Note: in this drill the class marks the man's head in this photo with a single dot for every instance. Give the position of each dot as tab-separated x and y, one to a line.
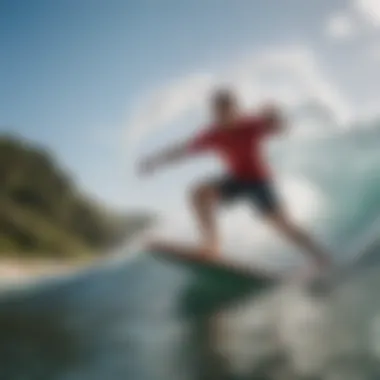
224	105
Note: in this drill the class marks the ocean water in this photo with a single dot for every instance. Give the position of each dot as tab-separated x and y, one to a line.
289	334
124	318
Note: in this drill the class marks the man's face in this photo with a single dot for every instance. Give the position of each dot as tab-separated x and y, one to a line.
224	107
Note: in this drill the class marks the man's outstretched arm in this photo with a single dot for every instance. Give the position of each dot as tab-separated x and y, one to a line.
163	158
176	153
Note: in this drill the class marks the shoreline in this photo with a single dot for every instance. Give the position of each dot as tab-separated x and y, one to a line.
18	270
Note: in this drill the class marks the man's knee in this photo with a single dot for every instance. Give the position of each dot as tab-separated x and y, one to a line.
203	194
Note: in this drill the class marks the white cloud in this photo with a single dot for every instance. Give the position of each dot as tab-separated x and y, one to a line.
166	104
290	75
341	26
370	10
358	17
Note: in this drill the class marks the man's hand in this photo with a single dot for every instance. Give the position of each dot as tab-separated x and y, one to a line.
275	120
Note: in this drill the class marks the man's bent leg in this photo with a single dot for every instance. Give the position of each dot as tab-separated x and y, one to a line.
204	199
298	236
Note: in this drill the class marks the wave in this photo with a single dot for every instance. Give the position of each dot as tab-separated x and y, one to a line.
130	318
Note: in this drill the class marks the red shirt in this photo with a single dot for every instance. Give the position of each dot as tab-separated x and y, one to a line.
238	146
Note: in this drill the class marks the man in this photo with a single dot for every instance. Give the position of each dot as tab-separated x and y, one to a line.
238	140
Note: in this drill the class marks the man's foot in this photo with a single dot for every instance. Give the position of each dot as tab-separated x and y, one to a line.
321	281
324	263
210	251
306	275
315	275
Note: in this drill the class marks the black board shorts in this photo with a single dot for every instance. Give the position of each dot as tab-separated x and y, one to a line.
260	194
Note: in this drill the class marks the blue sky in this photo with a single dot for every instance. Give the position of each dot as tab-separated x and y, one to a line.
96	80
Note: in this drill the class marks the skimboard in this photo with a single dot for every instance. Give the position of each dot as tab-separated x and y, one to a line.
214	283
196	256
